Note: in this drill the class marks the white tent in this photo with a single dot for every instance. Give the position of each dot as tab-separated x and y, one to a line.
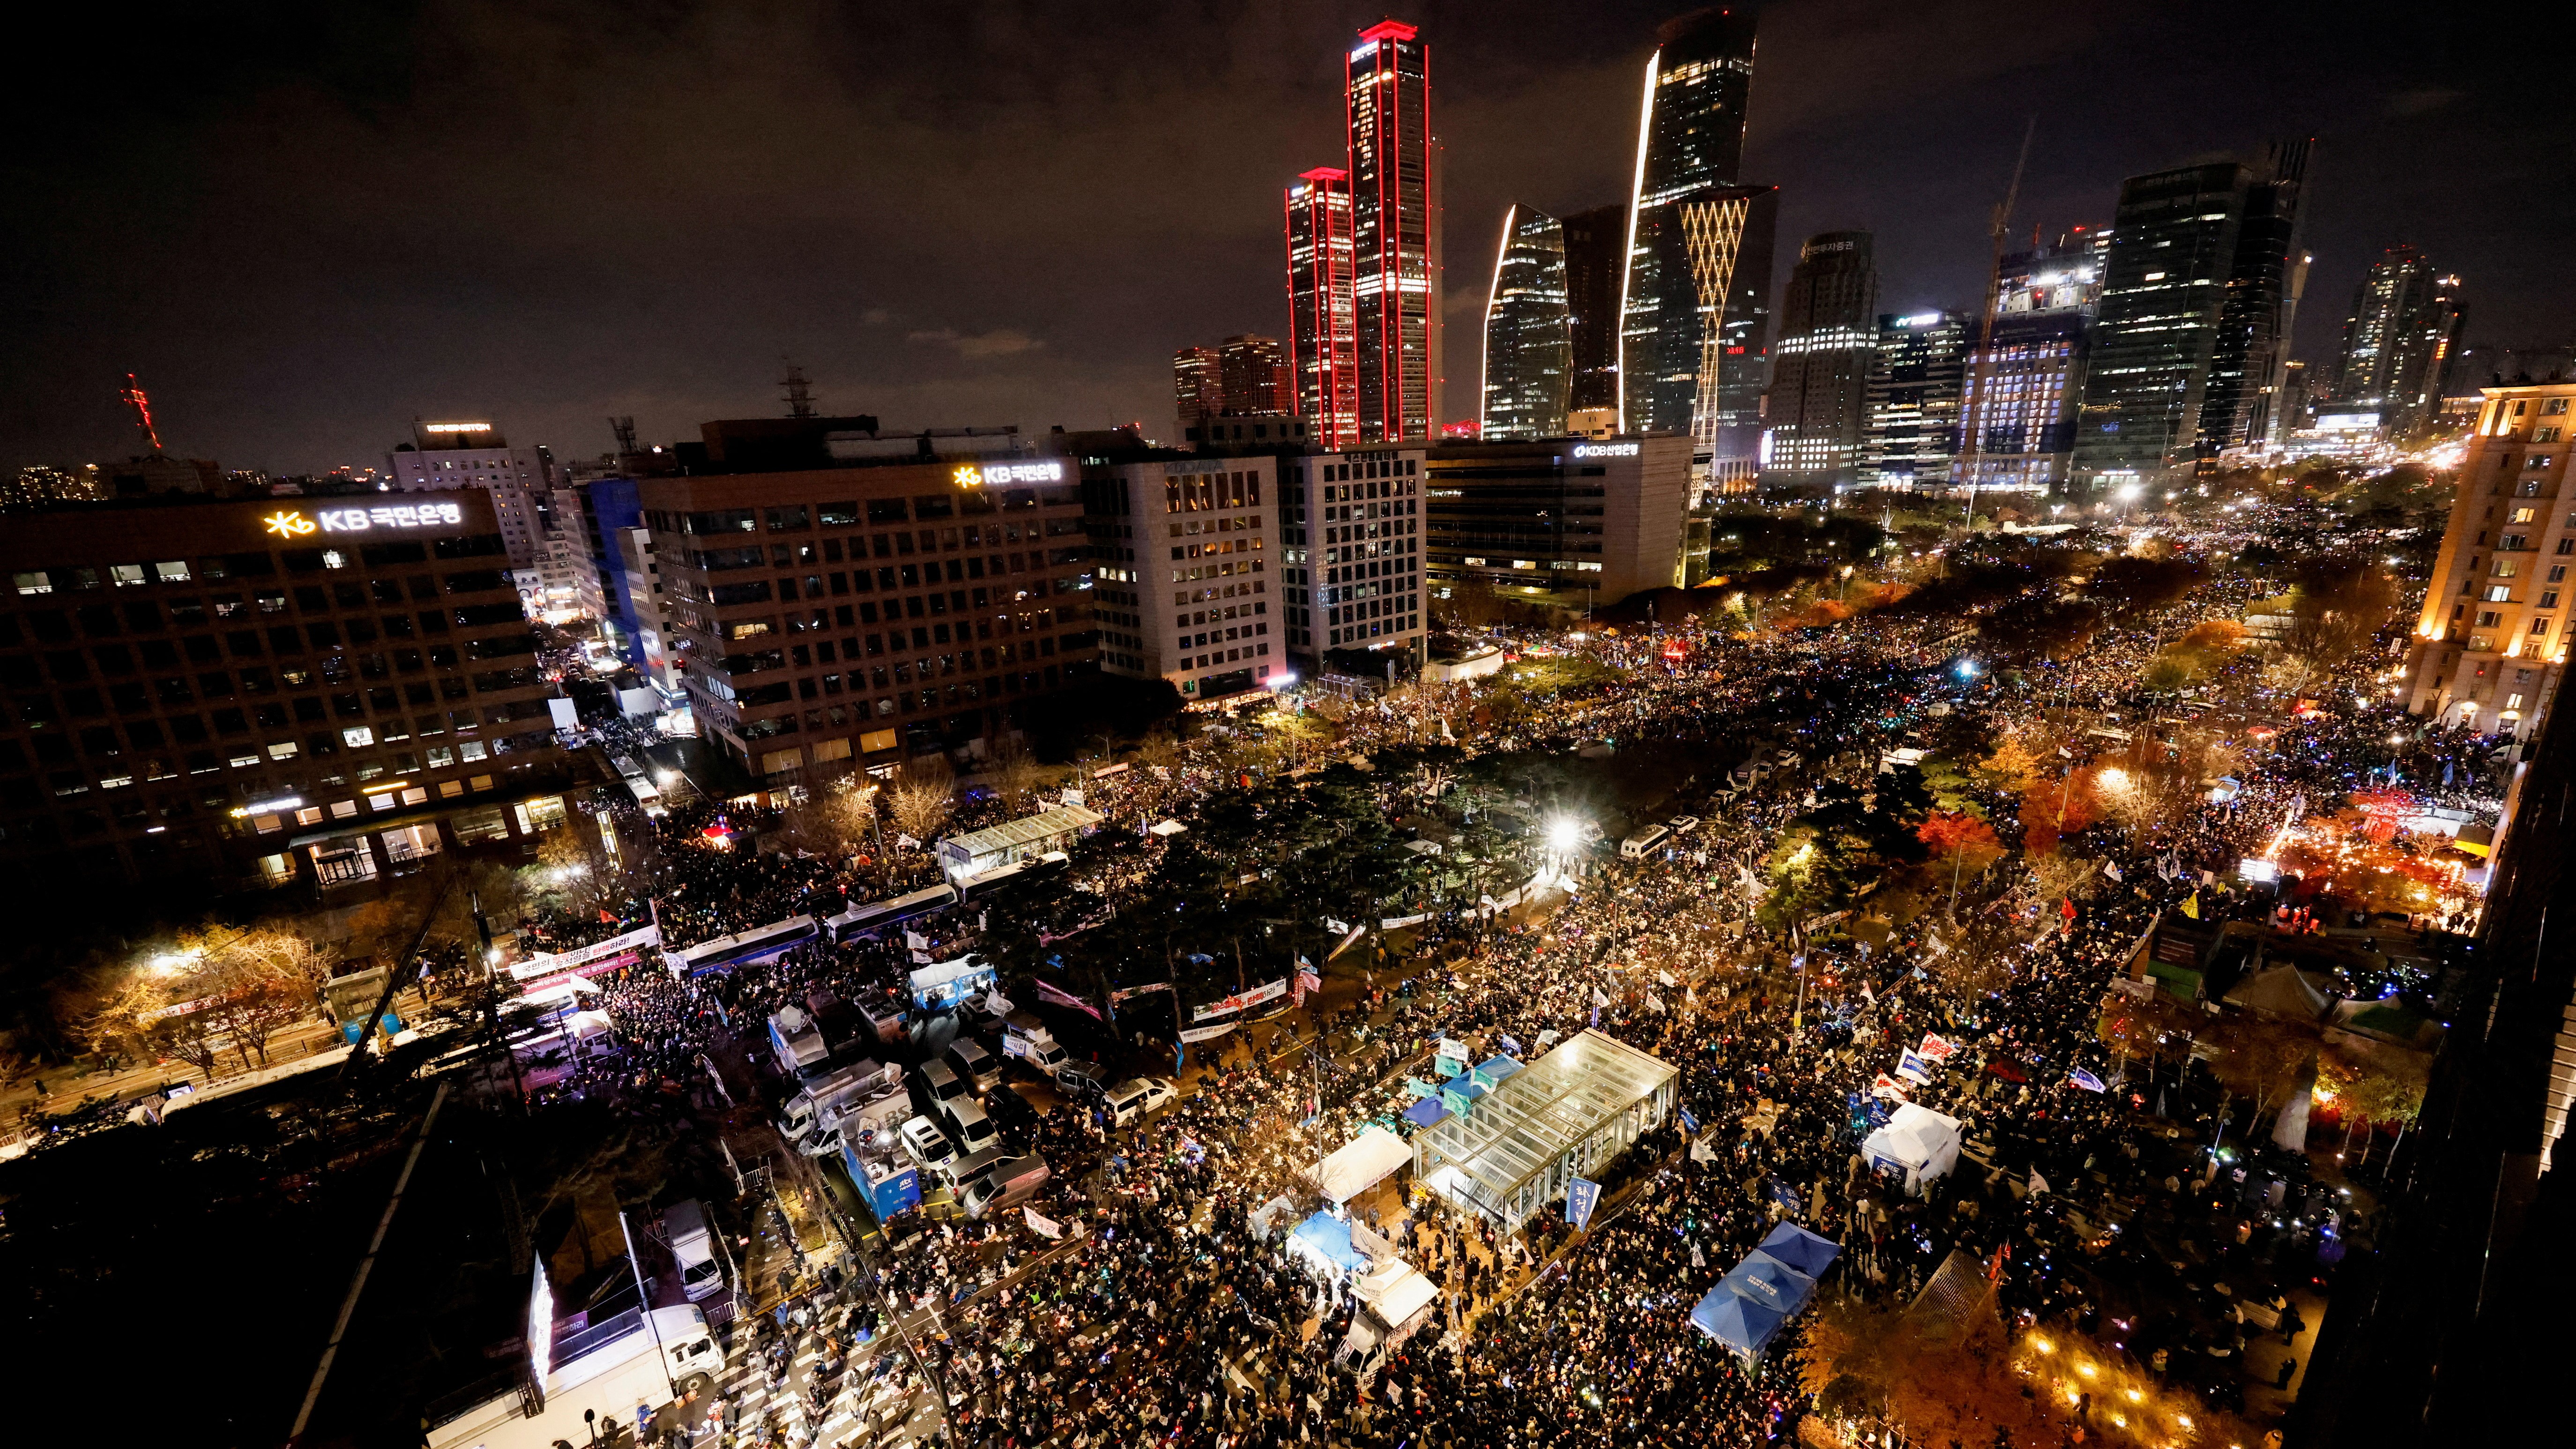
1394	1291
1921	1141
1361	1165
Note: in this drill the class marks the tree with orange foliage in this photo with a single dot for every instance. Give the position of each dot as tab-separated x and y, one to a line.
1959	835
2052	808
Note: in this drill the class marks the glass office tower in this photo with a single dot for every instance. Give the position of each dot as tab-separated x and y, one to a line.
1529	339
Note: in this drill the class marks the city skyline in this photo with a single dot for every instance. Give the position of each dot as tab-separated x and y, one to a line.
334	289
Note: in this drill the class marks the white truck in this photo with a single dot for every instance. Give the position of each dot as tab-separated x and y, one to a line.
797	1042
607	1369
811	1118
1026	1038
693	1249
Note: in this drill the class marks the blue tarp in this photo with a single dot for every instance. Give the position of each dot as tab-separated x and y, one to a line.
1493	1069
1802	1250
1426	1113
1329	1238
1467	1085
1735	1320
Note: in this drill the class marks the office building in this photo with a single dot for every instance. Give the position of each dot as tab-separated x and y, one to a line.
2173	246
266	691
2258	308
1529	337
865	613
1395	232
1256	377
2018	424
1689	223
1323	336
1596	261
1351	572
443	457
1917	384
1566	522
2397	342
1818	400
2492	641
1743	348
1198	386
1187	553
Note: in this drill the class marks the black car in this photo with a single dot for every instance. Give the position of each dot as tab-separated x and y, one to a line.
1012	1115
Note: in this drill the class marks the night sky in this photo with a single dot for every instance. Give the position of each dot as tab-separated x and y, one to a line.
302	225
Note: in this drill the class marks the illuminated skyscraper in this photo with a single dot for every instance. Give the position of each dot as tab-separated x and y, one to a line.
1917	380
2398	341
2261	303
2173	248
1323	349
1596	259
1255	377
2023	389
1820	367
1198	386
2491	642
1699	245
1529	339
1395	232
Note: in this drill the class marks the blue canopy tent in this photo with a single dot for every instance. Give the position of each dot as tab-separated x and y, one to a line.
1494	1068
1327	1239
1802	1250
1736	1321
1426	1113
1768	1281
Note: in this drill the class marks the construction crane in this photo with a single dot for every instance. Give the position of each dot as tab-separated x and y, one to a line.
1982	371
132	396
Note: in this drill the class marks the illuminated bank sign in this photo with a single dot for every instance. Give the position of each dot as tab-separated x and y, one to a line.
976	475
296	523
1608	450
456	427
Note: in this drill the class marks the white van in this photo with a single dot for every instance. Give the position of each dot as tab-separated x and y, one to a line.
693	1248
964	1120
1643	843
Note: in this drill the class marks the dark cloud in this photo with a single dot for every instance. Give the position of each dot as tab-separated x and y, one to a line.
305	223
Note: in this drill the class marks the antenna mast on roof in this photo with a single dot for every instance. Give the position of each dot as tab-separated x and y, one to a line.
800	394
132	395
624	428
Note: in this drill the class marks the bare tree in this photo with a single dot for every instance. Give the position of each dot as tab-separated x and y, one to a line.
1013	772
922	798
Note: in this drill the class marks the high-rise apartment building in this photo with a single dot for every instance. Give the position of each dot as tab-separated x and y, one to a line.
1693	233
1529	334
446	456
1323	322
1395	232
2492	641
1818	399
1917	383
1198	386
2018	423
1351	561
2259	307
1565	522
1596	261
1255	377
896	605
2398	341
2173	247
1188	565
325	690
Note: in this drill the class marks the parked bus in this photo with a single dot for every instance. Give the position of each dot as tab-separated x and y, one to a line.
745	946
877	915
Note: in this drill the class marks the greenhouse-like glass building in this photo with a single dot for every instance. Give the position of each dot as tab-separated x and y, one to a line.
1559	1118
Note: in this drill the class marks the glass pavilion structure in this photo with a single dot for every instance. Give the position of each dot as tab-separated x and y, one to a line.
1561	1117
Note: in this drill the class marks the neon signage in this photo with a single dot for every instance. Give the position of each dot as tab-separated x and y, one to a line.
1608	450
969	475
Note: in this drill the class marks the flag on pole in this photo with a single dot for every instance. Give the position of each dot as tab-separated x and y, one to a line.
1935	1048
2082	1078
2038	1184
1913	1068
1688	1120
1049	991
1866	994
2111	868
2066	908
2191	906
1887	1088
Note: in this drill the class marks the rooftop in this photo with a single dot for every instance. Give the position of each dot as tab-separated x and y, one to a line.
1536	1115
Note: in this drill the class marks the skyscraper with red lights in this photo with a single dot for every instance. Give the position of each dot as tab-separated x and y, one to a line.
1395	232
1323	347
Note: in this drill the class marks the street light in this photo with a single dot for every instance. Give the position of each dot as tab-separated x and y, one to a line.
1564	834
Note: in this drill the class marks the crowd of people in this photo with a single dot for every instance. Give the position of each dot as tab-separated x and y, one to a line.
1166	1308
